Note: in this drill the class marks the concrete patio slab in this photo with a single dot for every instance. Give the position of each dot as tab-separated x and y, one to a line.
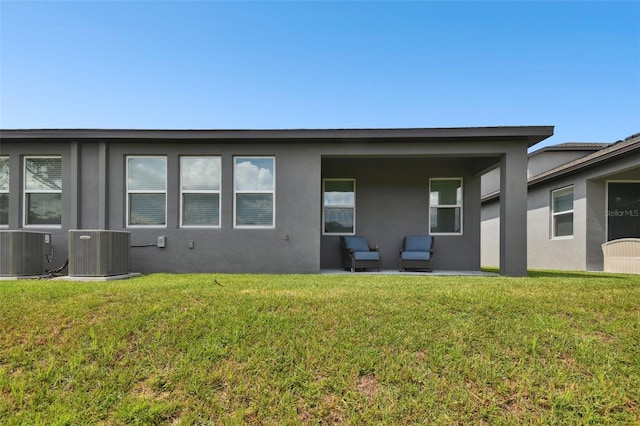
411	273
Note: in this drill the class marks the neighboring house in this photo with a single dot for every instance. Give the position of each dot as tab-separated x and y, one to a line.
272	201
579	197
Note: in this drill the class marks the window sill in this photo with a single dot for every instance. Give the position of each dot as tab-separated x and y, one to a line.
567	237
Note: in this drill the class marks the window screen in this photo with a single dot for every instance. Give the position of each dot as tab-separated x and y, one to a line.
445	206
254	187
43	190
339	206
562	212
147	191
200	184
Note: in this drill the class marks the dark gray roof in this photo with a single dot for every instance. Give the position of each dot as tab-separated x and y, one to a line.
580	145
572	146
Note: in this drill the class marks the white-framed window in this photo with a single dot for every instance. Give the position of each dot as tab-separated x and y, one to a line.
339	206
200	191
43	191
445	206
562	212
254	192
146	191
4	192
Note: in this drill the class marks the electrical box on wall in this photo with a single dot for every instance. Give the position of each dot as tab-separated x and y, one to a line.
99	253
23	253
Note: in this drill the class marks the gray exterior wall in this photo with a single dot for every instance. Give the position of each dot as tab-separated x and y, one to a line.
292	246
490	235
583	250
490	182
545	252
546	160
392	175
392	200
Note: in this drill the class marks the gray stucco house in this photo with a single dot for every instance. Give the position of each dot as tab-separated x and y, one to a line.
273	201
580	195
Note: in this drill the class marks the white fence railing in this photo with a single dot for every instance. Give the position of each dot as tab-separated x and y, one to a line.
622	255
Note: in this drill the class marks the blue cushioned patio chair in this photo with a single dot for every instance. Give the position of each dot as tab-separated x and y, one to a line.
416	252
357	254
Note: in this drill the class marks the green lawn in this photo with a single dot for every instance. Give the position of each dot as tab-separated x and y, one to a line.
554	348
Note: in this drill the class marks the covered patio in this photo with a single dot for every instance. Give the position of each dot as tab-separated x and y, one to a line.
395	189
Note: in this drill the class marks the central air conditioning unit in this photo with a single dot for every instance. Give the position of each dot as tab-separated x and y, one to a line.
23	253
99	253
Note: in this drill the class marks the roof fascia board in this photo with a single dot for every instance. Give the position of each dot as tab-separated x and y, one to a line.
533	134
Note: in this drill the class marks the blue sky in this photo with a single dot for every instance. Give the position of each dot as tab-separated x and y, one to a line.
264	65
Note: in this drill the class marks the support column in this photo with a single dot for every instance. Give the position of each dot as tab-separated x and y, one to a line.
513	212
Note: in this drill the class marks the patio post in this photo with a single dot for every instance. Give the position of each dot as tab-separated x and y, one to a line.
513	211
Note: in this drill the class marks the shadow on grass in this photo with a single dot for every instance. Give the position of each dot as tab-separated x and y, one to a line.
539	273
570	274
